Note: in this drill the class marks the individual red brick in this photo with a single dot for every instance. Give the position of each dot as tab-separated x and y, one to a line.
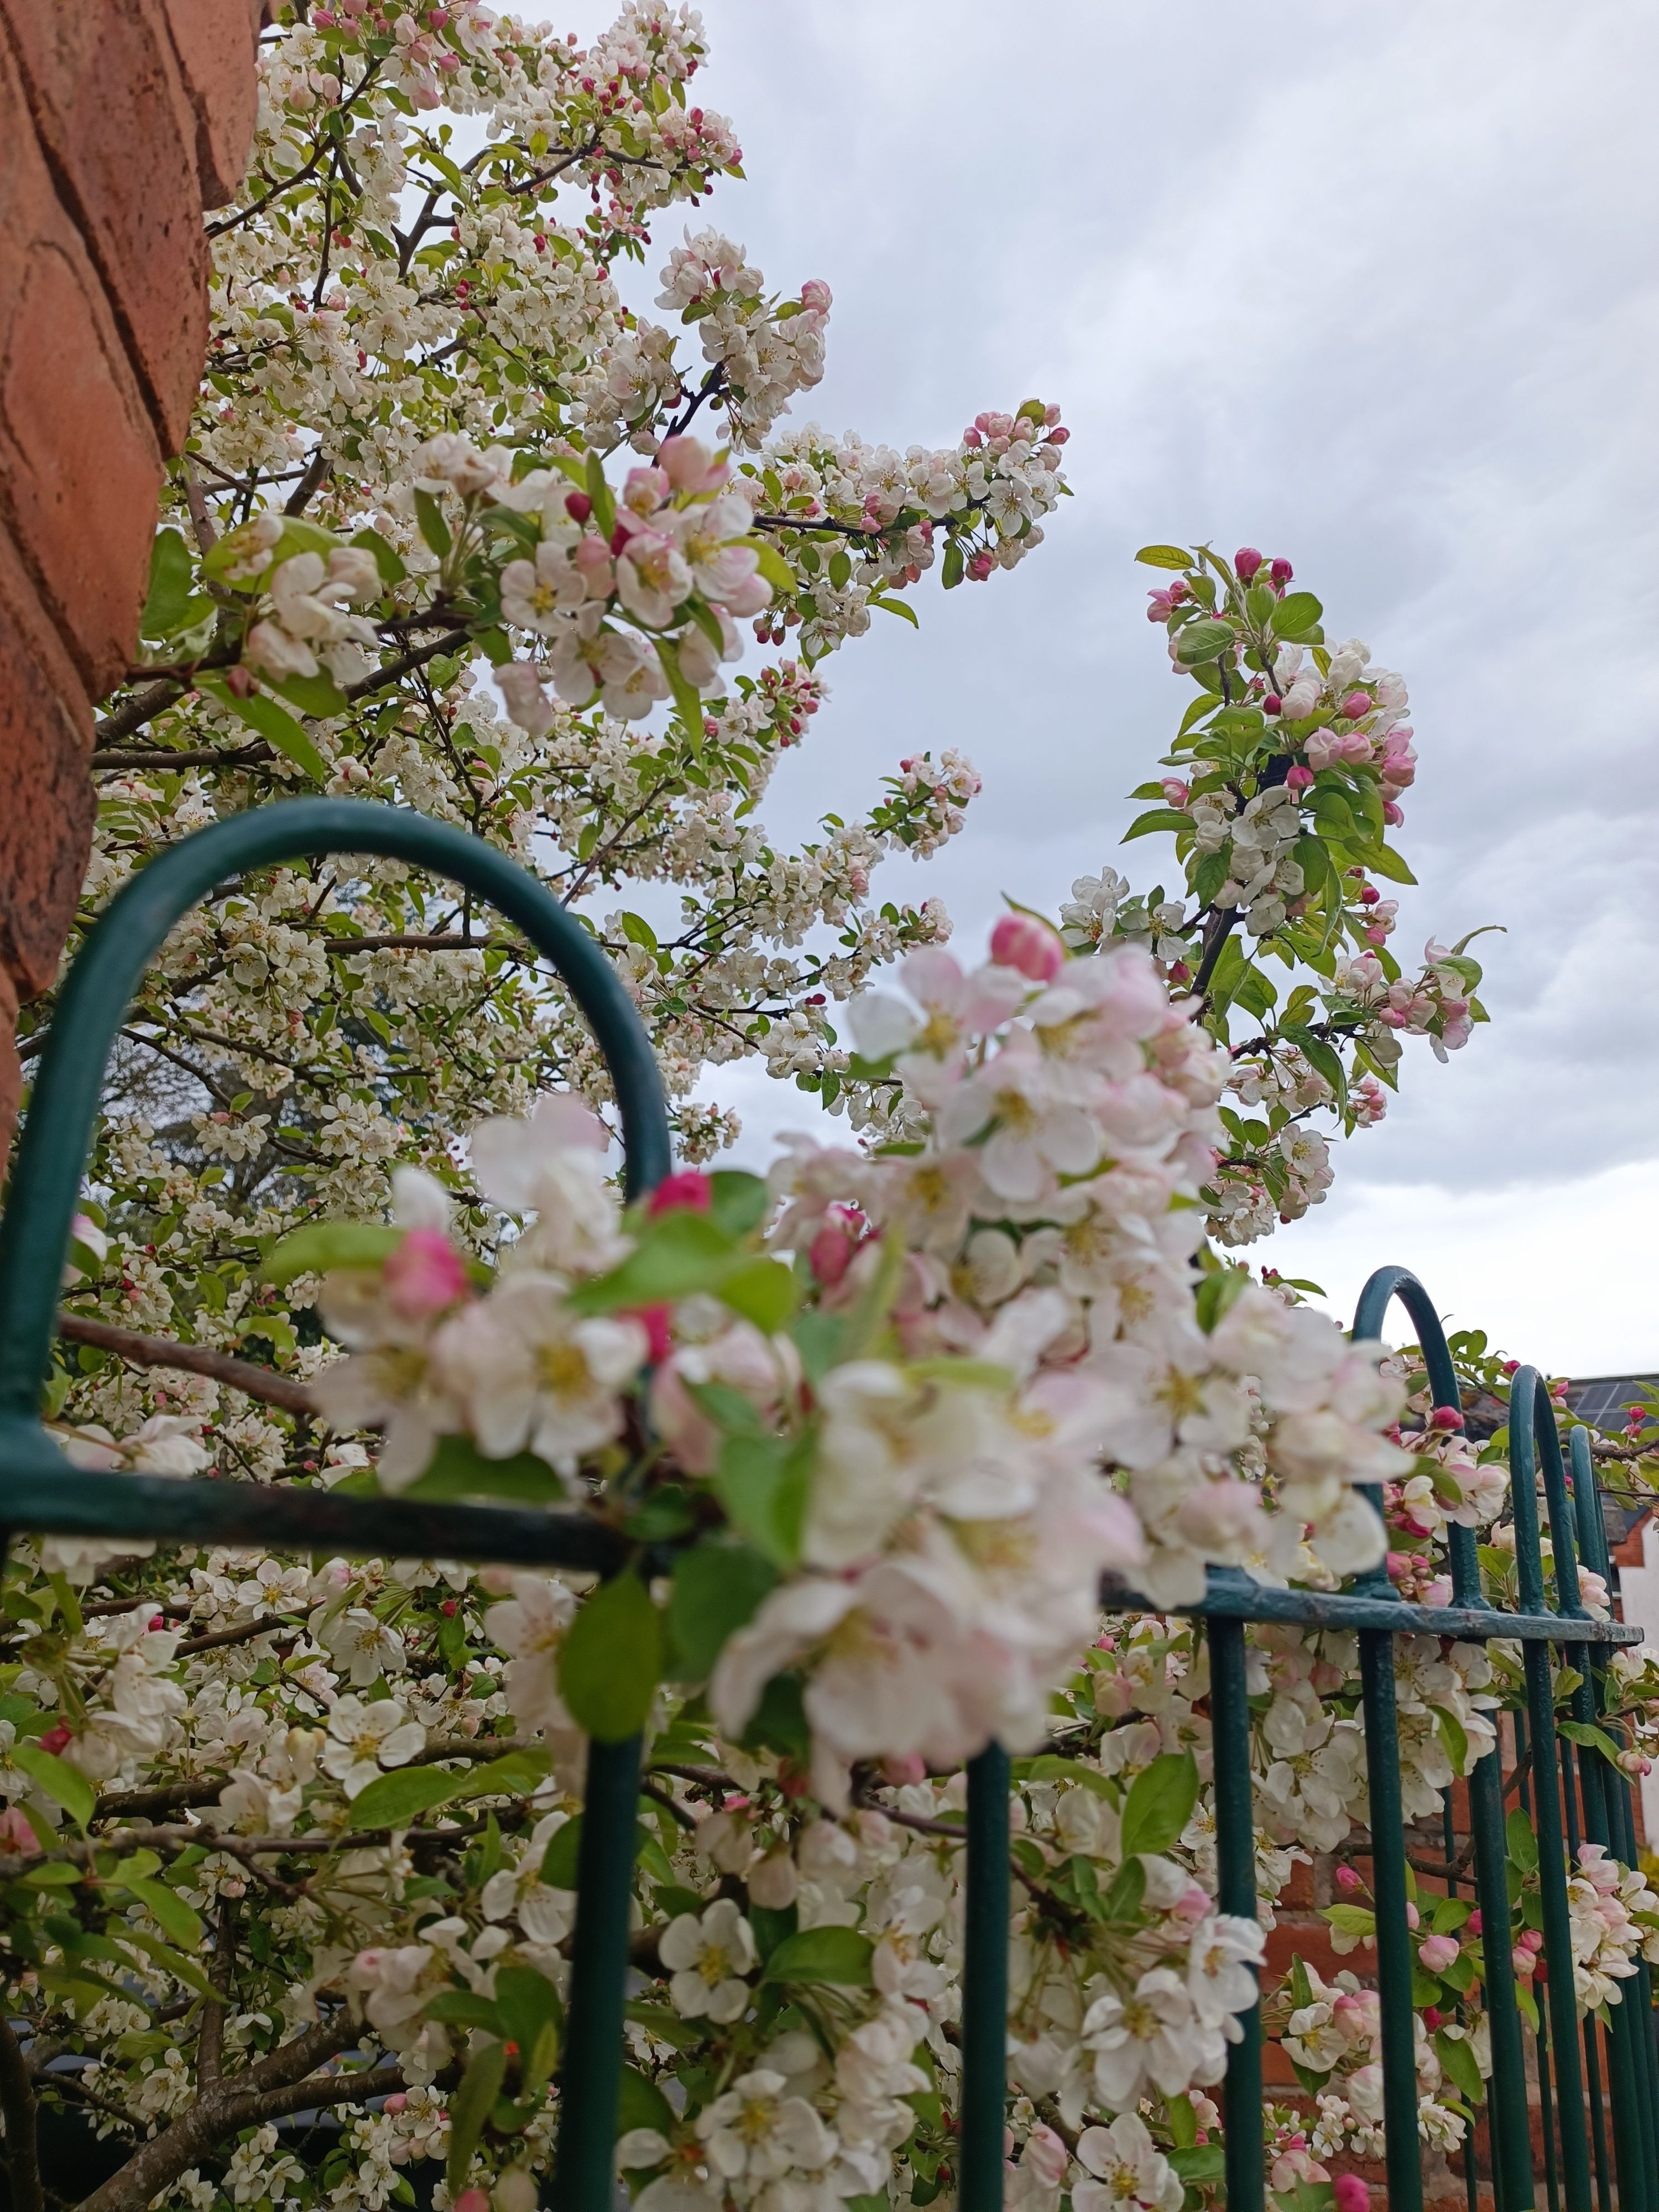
214	43
47	805
80	471
119	134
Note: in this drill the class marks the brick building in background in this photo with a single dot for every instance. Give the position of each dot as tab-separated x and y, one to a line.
121	121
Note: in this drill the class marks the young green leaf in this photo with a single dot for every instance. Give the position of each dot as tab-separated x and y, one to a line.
838	1955
323	1245
470	2107
1160	1803
64	1784
167	1910
393	1801
274	723
718	1588
762	1482
1163	557
170	572
610	1661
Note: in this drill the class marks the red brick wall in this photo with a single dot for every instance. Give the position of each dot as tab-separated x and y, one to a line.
121	120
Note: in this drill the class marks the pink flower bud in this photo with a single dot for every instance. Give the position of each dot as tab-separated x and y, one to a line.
578	506
830	1253
396	2101
16	1831
658	1322
1346	1878
1433	2017
57	1739
1246	561
1445	1416
424	1275
689	1191
1412	1916
1176	792
1272	704
1437	1952
1351	2194
1022	942
1298	778
1355	704
1281	571
1533	1940
908	1768
980	567
1525	1962
815	295
1474	1924
472	2200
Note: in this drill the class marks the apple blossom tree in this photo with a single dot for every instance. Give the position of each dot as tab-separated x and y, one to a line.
463	526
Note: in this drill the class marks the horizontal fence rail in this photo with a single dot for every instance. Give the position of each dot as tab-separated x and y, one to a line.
1597	2084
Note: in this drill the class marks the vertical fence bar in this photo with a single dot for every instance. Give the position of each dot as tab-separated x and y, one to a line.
1532	1426
1393	1945
590	2080
1630	2044
1234	1824
985	1985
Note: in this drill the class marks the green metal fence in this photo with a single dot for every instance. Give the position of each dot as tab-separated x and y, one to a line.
1596	2085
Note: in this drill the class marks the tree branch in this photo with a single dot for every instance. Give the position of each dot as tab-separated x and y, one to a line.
19	2107
244	1375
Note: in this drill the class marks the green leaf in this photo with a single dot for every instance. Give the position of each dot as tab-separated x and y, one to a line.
64	1784
1458	2063
641	2104
1203	641
433	527
167	1910
1052	1766
839	1955
685	697
1382	860
563	1857
604	506
762	1482
1155	818
533	2018
773	566
718	1588
519	1774
841	568
1160	1803
1202	2162
666	2026
953	567
318	695
323	1245
893	606
387	559
611	1660
1351	1919
170	574
1295	614
1217	1293
460	2008
458	1469
173	1962
274	723
738	1202
1517	1834
763	1292
1163	557
769	1928
1595	1738
677	1254
1453	1735
471	2104
393	1801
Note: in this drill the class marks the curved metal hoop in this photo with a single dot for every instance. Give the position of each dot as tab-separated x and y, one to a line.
38	1489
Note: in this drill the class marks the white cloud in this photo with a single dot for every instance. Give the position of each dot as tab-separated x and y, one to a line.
1371	286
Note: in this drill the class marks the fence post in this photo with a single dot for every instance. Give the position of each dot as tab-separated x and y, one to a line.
1235	1826
985	1985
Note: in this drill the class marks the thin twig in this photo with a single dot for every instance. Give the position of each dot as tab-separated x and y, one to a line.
244	1375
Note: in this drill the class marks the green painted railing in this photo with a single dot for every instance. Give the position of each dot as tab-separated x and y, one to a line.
1585	2073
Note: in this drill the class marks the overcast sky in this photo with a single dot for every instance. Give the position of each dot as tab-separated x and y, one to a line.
1371	283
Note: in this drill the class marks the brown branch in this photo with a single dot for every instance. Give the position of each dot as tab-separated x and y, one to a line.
266	1625
141	707
244	1375
20	2106
201	757
177	1797
343	947
317	468
265	2091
